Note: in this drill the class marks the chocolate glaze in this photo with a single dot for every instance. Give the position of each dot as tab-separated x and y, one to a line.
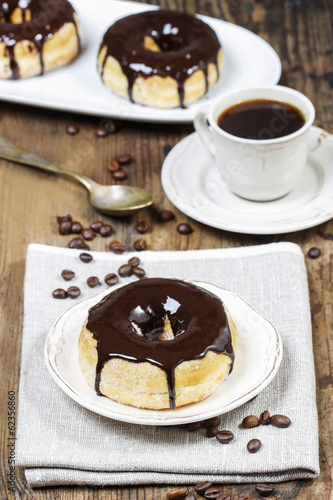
47	17
197	317
187	44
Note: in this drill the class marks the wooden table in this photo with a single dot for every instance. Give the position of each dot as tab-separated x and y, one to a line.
301	31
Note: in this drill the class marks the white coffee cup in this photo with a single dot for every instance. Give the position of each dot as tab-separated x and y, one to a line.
259	170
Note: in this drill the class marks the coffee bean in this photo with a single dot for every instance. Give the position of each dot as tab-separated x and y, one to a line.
113	166
138	272
64	218
134	261
250	421
111	279
76	243
96	225
212	422
76	227
59	293
119	175
124	159
223	497
140	245
112	126
177	494
165	216
73	292
264	490
84	247
86	257
202	487
184	228
142	227
224	437
88	234
125	270
212	431
190	496
280	421
194	426
67	274
212	493
65	227
166	149
72	129
93	281
264	417
105	230
314	253
117	247
254	445
101	132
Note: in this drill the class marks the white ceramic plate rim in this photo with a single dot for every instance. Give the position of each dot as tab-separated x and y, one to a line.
322	213
54	89
165	417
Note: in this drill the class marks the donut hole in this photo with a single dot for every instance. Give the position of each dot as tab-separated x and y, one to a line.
168	41
162	330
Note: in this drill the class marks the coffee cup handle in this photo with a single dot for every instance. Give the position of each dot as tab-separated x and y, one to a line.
204	131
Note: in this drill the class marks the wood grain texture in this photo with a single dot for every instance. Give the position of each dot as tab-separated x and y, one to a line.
301	32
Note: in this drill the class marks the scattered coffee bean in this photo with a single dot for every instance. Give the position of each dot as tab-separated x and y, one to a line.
112	126
76	227
59	293
84	247
134	261
202	487
280	421
314	253
138	272
65	227
93	281
67	275
194	426
125	270
264	490
64	218
190	496
72	129
119	175
212	493
101	132
166	149
264	417
184	228
140	245
224	437
76	243
88	234
86	257
73	292
124	159
165	216
117	247
254	445
113	166
250	421
212	422
96	225
212	431
223	497
105	230
142	227
177	494
111	279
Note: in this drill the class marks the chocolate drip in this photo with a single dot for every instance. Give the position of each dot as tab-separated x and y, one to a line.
57	12
197	318
187	44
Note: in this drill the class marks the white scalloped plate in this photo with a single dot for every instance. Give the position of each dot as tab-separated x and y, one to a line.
77	88
258	357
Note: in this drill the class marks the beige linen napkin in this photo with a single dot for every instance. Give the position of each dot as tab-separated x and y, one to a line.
59	442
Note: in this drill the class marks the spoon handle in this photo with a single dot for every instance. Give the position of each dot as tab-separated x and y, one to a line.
11	152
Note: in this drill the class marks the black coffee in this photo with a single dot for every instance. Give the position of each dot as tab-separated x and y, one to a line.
261	119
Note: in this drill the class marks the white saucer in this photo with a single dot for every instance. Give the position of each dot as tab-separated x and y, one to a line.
192	183
258	357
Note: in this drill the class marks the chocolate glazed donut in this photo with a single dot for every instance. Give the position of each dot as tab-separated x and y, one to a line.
163	44
197	317
26	27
